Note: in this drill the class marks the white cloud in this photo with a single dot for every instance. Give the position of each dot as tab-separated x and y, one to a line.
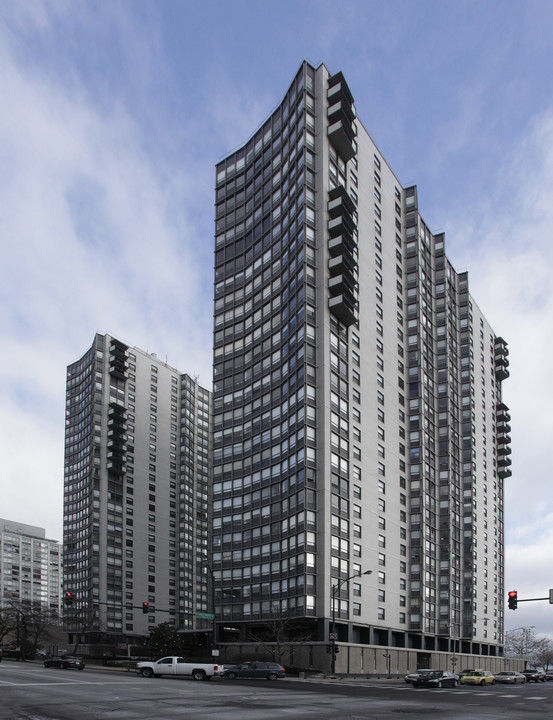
92	242
529	560
506	245
32	440
97	238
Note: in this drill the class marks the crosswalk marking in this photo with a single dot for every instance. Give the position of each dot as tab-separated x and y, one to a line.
474	692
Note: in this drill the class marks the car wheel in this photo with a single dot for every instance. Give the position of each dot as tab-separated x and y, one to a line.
455	683
147	672
272	676
440	684
231	675
81	668
493	682
482	682
199	675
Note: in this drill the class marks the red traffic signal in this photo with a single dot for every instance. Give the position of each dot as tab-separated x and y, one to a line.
69	598
513	599
145	608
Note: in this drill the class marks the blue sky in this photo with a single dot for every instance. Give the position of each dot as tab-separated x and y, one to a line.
113	117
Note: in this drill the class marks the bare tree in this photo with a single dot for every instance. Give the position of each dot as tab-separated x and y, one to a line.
6	624
25	625
40	622
78	620
520	643
277	632
524	643
543	654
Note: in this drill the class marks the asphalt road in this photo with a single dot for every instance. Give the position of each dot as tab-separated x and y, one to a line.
32	692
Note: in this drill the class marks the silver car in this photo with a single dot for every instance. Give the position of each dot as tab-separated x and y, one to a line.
510	676
412	676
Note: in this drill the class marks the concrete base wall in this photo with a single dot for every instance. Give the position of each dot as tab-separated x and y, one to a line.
362	659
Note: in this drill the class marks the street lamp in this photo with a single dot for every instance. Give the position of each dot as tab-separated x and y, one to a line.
453	638
206	564
333	635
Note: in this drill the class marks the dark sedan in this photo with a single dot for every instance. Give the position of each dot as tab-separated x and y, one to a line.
436	678
257	669
65	662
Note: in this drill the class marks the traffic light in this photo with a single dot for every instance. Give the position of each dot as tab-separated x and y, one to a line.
513	599
69	598
329	648
336	649
145	608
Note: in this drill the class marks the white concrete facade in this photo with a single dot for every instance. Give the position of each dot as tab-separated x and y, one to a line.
31	566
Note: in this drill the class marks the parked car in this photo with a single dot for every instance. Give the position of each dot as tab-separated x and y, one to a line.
65	662
413	675
549	675
256	669
509	676
436	678
478	677
534	675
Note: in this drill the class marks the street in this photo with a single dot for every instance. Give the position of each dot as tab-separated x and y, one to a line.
29	691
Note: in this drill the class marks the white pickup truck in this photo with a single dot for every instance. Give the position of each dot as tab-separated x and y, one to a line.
173	665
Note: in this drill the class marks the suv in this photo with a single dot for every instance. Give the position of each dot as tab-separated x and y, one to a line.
257	669
534	675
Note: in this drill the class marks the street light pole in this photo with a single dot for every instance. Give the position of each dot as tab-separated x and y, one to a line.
453	633
333	635
214	620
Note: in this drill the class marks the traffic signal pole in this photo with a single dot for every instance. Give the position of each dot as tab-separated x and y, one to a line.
514	600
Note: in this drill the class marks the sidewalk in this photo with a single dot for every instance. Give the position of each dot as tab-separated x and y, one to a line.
130	667
341	677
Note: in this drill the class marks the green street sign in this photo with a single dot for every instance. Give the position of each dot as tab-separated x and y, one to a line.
206	616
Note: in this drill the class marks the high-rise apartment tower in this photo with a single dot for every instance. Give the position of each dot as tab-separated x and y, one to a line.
358	415
31	567
136	495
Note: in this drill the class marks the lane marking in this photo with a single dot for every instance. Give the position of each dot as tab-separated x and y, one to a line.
75	682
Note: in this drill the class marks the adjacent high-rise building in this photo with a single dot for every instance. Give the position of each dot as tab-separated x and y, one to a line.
137	466
360	438
31	567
